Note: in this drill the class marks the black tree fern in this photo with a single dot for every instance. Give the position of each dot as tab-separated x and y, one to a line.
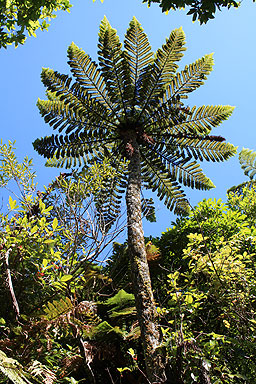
131	111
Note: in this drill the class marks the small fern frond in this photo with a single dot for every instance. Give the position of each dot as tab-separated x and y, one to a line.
57	308
247	159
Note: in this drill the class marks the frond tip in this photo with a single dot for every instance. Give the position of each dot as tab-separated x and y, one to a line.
247	160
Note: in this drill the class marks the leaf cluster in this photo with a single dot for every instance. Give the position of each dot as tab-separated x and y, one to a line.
19	18
201	10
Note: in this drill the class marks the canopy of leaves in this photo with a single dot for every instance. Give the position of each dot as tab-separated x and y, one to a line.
19	18
133	94
202	10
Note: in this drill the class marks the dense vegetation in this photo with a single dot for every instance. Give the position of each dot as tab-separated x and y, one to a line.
66	318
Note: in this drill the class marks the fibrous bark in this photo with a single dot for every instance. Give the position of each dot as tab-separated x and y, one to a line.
146	309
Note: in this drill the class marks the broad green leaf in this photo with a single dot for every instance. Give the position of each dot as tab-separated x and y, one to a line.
65	278
55	223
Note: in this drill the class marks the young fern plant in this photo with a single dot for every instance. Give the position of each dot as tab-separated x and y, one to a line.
130	110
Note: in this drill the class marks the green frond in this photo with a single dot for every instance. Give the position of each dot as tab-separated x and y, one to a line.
148	209
114	67
179	168
57	308
205	149
191	175
108	201
88	75
94	118
157	76
78	100
191	78
137	52
69	151
247	159
239	189
156	179
201	120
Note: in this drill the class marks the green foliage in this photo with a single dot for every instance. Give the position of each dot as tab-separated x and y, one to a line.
133	92
209	315
248	163
18	17
203	10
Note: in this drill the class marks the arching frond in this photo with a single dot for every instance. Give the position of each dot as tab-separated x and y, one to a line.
191	78
157	76
180	169
88	75
137	52
205	148
198	121
69	151
158	179
114	67
109	200
76	97
247	159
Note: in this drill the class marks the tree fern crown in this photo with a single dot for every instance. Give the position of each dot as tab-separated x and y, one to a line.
132	94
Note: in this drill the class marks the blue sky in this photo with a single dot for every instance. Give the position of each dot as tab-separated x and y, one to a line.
231	36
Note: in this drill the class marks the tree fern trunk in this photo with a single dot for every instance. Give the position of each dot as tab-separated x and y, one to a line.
146	310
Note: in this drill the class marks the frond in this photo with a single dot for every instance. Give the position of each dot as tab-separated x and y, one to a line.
69	151
247	159
61	116
191	78
88	75
157	76
239	189
57	308
157	178
180	169
108	201
203	119
204	148
137	52
42	372
78	100
148	209
114	67
199	121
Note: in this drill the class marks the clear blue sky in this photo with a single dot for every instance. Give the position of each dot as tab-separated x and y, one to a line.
231	36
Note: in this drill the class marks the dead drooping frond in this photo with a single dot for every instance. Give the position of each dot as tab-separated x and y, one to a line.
133	93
